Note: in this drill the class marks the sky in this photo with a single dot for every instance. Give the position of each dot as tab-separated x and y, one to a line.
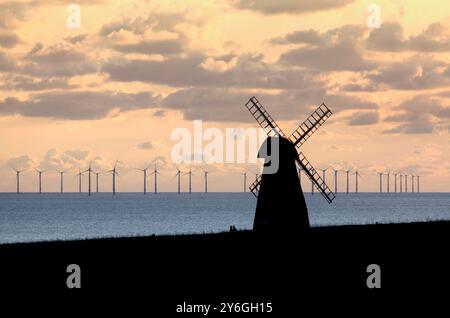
115	87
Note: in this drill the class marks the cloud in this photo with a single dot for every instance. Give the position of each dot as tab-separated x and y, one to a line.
390	37
363	119
20	163
76	38
227	105
163	47
7	63
310	36
412	74
249	71
269	7
8	40
57	61
26	83
77	105
147	145
159	113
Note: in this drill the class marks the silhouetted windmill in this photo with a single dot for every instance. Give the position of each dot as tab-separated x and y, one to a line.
145	177
297	138
348	178
79	175
381	181
89	171
40	172
155	178
178	174
18	179
114	173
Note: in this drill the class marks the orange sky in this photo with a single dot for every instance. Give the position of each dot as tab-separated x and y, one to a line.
117	87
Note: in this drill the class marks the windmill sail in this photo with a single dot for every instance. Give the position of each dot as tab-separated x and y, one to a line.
310	125
263	118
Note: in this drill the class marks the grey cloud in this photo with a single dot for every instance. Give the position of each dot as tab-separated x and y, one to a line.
21	162
7	63
224	104
289	6
159	113
162	47
250	71
423	127
301	37
76	154
363	119
8	40
76	38
390	37
26	83
147	145
77	105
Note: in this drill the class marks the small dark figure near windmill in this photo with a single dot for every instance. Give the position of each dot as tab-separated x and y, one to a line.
281	206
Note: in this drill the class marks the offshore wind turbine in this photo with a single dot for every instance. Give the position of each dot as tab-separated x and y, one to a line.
388	175
61	180
418	184
178	174
412	181
324	173
96	180
206	172
381	181
89	171
114	173
190	179
357	174
395	182
347	172
245	181
406	183
40	172
335	180
79	174
401	183
145	177
18	179
155	174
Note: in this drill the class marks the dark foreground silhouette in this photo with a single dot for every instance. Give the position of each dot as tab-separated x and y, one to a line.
281	206
324	263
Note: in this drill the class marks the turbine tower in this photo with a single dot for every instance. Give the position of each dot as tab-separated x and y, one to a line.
347	172
18	179
356	181
178	174
40	172
61	180
79	174
401	183
395	182
418	184
406	183
190	179
381	181
206	179
388	175
145	178
155	173
114	173
335	180
412	181
89	171
245	181
324	172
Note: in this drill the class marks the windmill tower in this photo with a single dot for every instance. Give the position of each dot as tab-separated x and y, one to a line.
412	182
155	176
96	181
145	178
296	140
357	175
418	184
40	172
178	174
401	183
114	173
18	172
245	181
324	174
388	180
335	181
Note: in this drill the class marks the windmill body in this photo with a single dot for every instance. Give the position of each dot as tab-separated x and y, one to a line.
281	205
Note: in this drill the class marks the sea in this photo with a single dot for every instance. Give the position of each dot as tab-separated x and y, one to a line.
30	217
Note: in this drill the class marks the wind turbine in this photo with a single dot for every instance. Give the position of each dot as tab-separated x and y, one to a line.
335	180
61	179
18	179
381	181
155	173
114	173
418	184
347	172
395	182
206	179
96	180
40	172
190	179
89	171
357	175
388	175
178	174
412	181
79	174
324	172
406	183
245	181
401	183
145	177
